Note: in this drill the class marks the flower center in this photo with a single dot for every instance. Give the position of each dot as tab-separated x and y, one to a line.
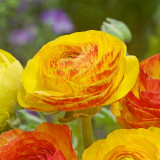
72	55
127	152
38	149
74	62
128	158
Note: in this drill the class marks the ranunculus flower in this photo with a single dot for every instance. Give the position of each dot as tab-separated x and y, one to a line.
141	106
47	142
126	144
10	73
78	71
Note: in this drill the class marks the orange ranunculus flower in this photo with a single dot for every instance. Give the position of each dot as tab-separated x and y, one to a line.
47	142
141	106
78	71
126	144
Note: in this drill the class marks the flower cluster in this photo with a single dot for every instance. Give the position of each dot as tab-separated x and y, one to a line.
76	72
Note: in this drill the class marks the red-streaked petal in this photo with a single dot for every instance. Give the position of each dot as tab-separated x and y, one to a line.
6	137
63	136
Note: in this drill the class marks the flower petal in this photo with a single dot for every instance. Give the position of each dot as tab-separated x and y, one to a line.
130	77
63	135
91	152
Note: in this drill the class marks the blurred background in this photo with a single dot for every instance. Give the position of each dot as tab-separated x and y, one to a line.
26	25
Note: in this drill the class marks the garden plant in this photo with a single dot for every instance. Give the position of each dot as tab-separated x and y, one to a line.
63	102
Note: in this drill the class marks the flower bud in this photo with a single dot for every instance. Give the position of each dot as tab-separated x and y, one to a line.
117	29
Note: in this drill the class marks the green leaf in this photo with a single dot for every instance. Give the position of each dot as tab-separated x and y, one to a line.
29	121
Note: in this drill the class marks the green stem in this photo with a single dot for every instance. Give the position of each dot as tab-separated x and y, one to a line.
86	132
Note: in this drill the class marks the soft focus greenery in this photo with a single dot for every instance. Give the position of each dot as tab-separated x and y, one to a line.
117	29
142	18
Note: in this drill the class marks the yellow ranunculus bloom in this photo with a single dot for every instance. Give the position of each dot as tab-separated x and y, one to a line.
78	71
10	73
126	144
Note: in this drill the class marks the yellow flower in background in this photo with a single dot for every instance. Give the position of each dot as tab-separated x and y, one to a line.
10	73
126	144
78	71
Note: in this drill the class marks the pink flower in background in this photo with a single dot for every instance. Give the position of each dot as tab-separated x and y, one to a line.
22	36
58	20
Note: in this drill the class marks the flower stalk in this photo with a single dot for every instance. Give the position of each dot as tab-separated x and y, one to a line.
86	132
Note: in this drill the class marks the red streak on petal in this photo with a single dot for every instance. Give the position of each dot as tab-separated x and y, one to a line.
115	59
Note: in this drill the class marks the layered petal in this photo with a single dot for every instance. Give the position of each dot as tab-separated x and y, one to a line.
47	142
133	144
141	106
62	134
77	71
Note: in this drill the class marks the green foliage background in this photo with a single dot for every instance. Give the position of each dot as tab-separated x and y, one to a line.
142	17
